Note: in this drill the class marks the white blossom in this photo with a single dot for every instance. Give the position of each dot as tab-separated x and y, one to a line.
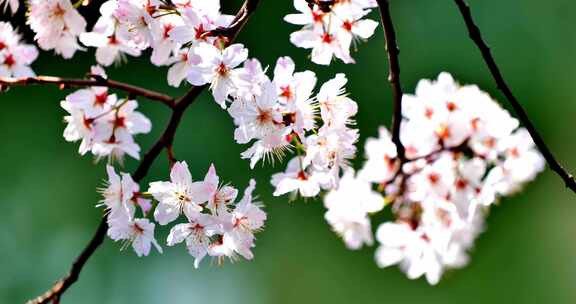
57	25
178	196
331	31
104	124
348	208
15	57
217	68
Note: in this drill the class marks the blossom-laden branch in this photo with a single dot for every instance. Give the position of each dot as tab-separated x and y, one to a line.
476	36
179	107
96	81
394	75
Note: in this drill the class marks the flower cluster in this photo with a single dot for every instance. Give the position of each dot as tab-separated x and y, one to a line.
463	152
122	196
15	57
103	123
281	114
57	25
179	34
331	28
323	151
215	225
110	47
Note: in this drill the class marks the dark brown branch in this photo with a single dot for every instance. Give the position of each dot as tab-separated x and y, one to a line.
476	36
239	21
165	141
66	82
393	75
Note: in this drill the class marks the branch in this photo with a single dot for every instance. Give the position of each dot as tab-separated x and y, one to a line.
394	75
238	22
64	82
165	141
476	36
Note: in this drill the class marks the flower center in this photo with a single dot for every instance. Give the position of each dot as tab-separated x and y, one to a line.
222	70
9	60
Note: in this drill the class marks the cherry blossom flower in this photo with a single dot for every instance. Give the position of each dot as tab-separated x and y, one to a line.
104	124
122	195
199	19
259	118
15	57
162	44
217	68
221	196
110	46
298	178
139	233
250	80
331	32
196	233
239	227
181	62
381	164
348	208
179	195
134	21
57	25
413	249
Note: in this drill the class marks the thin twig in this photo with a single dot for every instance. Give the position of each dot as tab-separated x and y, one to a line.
476	36
238	22
67	82
394	75
165	141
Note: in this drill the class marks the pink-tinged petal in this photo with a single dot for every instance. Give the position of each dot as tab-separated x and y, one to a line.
365	28
211	180
198	76
322	54
22	71
286	185
180	174
139	124
165	213
106	55
234	55
145	205
160	53
305	39
177	73
220	91
298	19
94	39
178	234
200	192
161	190
181	34
210	54
387	256
309	188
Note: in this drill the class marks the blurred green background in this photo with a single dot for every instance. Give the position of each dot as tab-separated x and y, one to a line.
527	254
